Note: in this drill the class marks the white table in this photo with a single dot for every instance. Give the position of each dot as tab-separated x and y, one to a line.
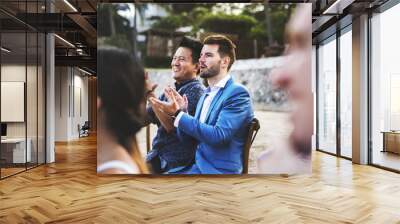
18	150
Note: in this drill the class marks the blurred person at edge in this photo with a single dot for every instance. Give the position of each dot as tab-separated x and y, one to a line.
121	108
294	76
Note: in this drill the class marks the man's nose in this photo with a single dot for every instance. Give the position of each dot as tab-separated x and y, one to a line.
174	63
201	59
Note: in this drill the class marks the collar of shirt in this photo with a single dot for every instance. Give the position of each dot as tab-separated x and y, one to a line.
220	84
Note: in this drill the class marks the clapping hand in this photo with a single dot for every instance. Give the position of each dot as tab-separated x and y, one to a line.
169	107
175	102
172	95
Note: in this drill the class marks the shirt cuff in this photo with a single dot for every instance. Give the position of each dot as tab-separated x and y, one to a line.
176	122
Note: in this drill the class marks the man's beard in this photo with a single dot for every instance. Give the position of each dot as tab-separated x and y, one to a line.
211	72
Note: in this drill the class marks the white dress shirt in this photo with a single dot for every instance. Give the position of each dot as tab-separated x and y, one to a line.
211	92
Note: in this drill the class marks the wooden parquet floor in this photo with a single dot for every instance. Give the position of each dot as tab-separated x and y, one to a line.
69	191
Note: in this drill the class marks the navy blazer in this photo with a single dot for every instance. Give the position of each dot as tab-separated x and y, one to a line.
222	137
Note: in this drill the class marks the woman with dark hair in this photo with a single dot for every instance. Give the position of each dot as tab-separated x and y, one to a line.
121	108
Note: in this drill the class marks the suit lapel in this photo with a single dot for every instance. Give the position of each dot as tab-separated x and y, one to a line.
199	107
218	98
213	103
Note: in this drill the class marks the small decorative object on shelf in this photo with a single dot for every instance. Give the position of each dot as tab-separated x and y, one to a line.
391	141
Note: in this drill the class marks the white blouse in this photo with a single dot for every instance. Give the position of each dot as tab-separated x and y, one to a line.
120	165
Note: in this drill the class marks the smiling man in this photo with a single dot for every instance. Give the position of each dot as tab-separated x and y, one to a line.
223	114
169	153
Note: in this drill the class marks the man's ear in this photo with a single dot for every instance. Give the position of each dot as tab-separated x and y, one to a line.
226	61
196	68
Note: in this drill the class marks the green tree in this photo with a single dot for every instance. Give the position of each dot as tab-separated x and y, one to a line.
110	22
224	23
189	7
277	14
171	22
113	29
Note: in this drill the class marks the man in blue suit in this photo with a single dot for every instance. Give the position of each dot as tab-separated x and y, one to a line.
223	114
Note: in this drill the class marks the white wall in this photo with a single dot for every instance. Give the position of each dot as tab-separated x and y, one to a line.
16	73
61	103
71	102
33	126
80	110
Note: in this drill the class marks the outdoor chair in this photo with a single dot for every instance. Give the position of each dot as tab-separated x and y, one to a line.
253	130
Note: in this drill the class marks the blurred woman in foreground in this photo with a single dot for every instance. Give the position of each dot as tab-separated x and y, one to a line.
121	107
294	76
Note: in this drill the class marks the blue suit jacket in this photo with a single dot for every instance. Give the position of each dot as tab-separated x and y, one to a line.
222	137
